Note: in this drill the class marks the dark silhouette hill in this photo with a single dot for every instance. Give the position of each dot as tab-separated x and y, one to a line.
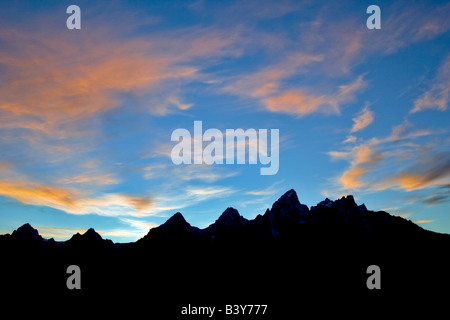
90	239
290	256
26	233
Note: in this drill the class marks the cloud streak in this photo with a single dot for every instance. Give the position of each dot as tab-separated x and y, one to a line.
52	80
57	86
437	97
422	221
432	170
300	101
364	119
74	201
371	162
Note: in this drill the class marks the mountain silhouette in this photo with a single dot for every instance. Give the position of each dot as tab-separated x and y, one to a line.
287	216
90	239
26	233
230	222
290	253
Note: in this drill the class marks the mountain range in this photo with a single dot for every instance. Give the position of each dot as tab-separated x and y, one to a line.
287	218
290	253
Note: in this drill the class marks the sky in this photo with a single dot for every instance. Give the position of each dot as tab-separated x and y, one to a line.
86	116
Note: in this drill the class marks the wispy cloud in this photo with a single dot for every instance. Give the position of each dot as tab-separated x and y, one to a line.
209	192
268	80
430	170
56	86
186	173
75	201
271	190
69	79
352	178
104	179
437	97
413	24
267	85
362	158
364	119
300	102
422	221
345	43
441	194
177	197
79	109
350	139
360	154
371	162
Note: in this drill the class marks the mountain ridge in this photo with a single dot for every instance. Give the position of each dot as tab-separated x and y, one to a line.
288	254
286	213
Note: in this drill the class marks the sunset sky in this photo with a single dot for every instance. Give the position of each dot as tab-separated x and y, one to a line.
86	116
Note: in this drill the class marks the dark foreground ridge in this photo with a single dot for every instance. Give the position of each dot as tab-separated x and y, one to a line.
288	255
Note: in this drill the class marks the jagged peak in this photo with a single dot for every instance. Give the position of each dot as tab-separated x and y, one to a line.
230	217
26	226
290	194
326	203
229	213
174	224
175	221
289	197
350	198
347	201
347	198
91	233
362	207
289	204
27	232
344	204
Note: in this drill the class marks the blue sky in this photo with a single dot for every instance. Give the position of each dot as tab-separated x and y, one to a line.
86	116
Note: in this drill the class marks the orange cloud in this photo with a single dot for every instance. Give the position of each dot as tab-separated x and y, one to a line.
361	154
409	181
364	119
428	170
38	194
351	178
365	154
423	221
53	79
74	201
266	85
266	82
294	102
300	103
417	166
363	159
